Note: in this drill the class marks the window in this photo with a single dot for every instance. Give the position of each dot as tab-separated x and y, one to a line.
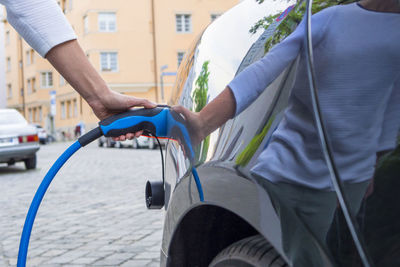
109	61
69	109
40	114
86	24
183	22
29	86
47	79
34	115
180	56
214	16
62	110
28	57
107	22
32	55
8	64
33	85
7	37
75	108
30	115
9	90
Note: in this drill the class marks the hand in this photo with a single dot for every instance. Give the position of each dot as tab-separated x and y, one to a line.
195	124
111	103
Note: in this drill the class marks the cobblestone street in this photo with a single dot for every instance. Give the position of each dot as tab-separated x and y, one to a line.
93	214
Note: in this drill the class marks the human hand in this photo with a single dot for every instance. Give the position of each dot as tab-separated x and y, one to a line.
195	124
112	103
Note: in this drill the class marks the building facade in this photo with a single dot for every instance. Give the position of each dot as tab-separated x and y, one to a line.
132	43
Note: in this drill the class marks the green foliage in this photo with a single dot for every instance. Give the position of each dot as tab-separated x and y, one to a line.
292	20
200	92
245	156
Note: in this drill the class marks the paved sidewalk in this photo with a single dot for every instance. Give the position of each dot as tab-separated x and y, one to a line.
93	214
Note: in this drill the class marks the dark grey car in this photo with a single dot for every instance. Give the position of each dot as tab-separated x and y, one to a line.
237	224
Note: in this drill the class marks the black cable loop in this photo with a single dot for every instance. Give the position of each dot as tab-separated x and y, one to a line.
325	145
162	159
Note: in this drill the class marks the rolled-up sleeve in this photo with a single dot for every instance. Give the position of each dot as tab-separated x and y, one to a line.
40	22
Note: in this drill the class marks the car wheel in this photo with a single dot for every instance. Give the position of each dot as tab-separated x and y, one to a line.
108	143
135	144
152	145
118	145
253	251
30	163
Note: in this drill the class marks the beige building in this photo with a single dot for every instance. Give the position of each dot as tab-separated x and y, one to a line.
130	42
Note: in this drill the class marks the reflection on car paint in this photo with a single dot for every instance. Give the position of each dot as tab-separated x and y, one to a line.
232	153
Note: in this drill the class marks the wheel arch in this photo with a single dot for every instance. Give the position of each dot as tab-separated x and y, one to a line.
197	241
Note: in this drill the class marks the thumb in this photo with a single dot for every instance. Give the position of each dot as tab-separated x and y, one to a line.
184	111
134	102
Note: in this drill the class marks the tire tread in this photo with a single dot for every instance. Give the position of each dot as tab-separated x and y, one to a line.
254	250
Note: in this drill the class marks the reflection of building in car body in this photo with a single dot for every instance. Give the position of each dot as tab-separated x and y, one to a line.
237	212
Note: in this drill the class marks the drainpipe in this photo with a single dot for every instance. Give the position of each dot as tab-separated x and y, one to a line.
154	50
21	67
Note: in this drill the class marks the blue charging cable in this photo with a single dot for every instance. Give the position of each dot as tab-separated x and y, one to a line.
157	120
37	199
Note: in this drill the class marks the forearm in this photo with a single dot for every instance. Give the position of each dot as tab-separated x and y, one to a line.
71	62
218	111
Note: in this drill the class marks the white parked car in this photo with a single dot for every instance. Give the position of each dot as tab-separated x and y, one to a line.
43	137
19	141
140	142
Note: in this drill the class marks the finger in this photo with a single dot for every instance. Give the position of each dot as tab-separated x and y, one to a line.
182	110
148	104
133	102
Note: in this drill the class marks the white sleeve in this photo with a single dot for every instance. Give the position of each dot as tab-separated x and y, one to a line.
253	80
40	22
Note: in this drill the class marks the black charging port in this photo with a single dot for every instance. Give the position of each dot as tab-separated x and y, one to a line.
155	195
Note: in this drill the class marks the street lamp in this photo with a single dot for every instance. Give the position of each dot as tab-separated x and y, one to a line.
162	68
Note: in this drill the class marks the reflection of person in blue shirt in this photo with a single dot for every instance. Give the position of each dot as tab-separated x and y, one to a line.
357	62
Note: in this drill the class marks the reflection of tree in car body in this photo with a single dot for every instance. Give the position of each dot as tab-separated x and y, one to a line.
200	98
292	19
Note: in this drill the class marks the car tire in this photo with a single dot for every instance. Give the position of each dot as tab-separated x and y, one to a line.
152	144
30	163
108	143
253	251
135	144
118	145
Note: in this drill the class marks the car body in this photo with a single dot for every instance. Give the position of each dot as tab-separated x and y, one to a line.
237	212
18	140
42	134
